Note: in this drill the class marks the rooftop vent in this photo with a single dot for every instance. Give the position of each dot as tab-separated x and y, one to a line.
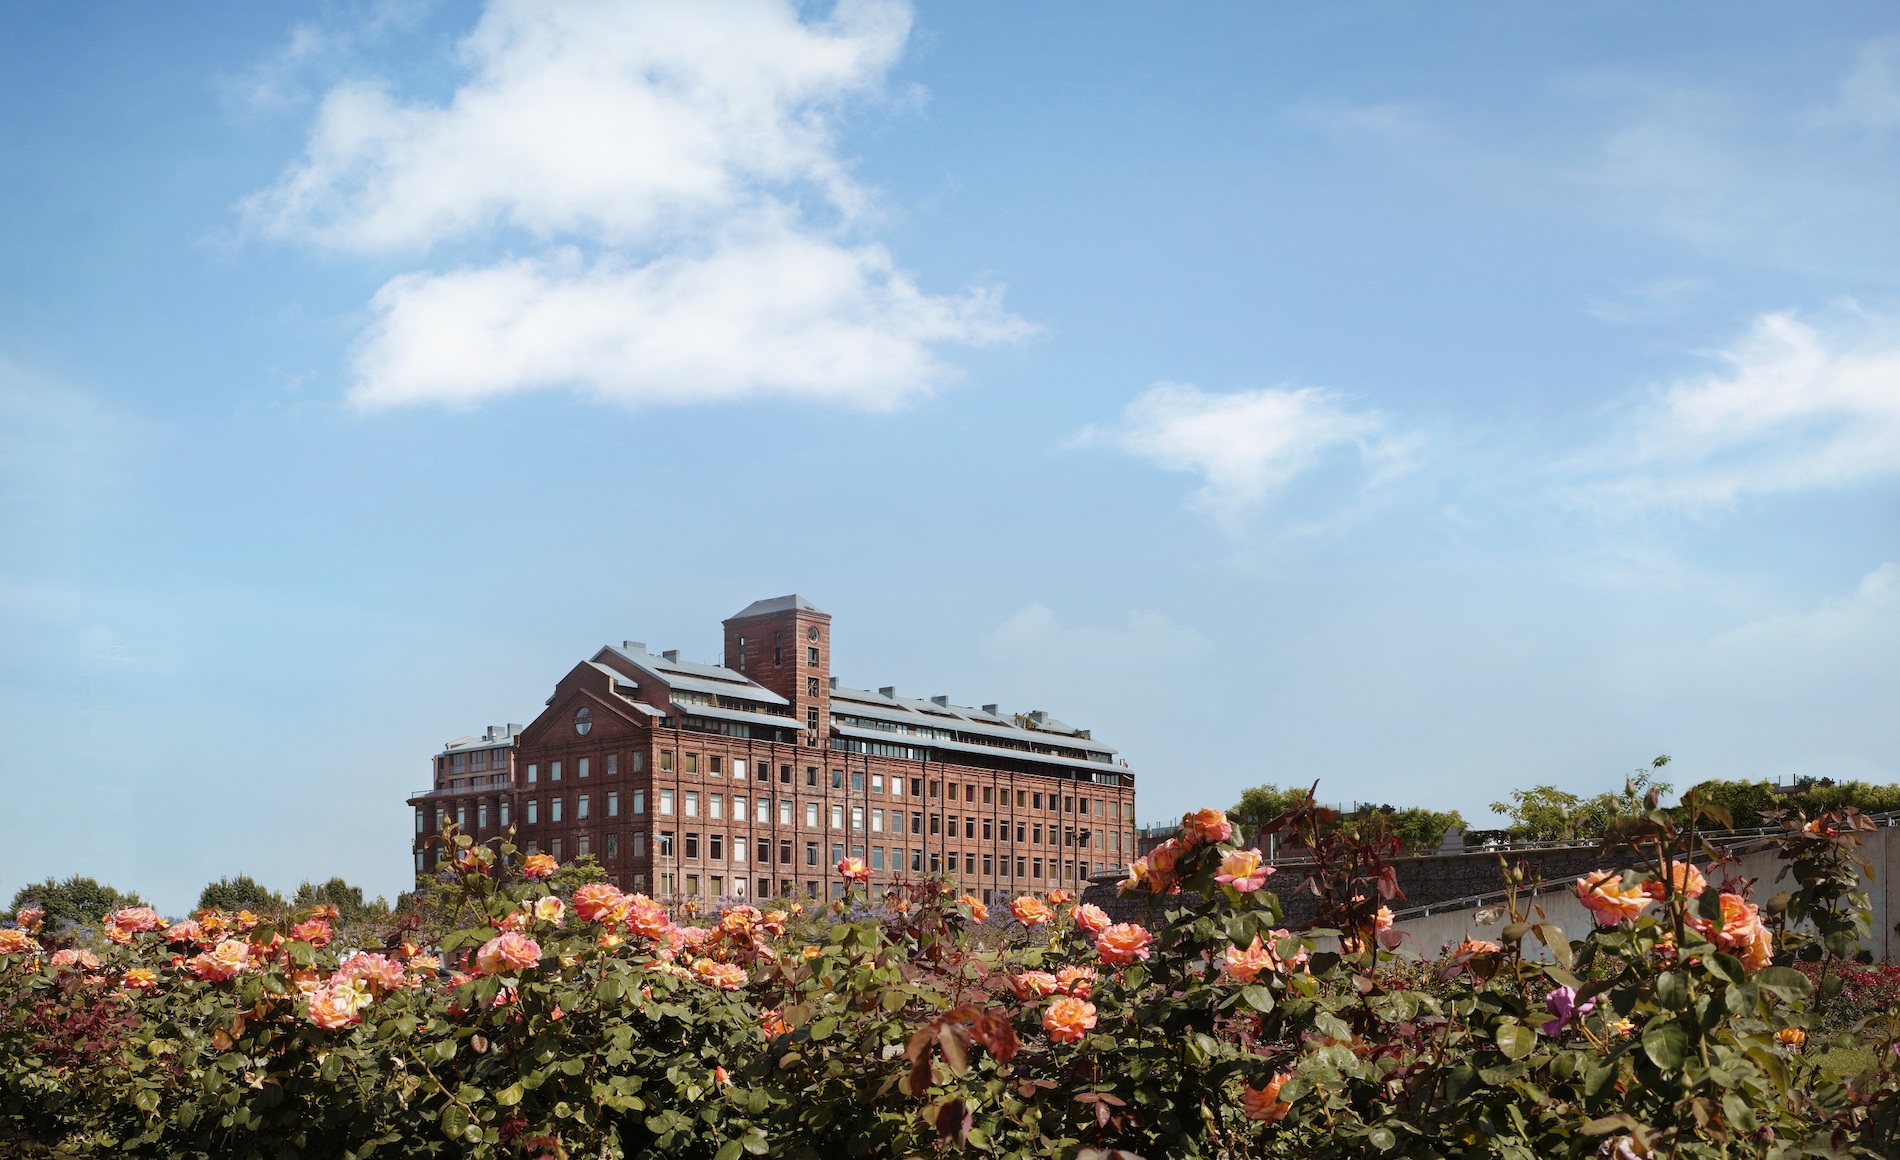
1039	717
834	682
495	732
513	729
672	654
990	709
888	690
634	646
942	699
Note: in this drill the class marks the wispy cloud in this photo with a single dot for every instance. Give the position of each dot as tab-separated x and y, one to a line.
1248	445
1792	408
692	230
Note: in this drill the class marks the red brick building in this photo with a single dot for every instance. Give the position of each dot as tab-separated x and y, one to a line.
753	778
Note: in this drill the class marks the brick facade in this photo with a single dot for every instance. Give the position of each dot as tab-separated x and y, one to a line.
752	778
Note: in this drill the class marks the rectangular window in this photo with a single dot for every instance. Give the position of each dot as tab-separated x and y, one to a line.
917	787
504	813
692	846
988	792
785	775
738	809
613	847
837	853
936	823
554	771
936	862
613	765
811	775
765	888
969	864
1022	870
666	843
1038	801
969	827
666	761
640	766
580	768
716	805
691	763
916	823
877	821
534	773
1036	831
554	810
613	803
461	815
1021	797
481	815
986	829
877	857
811	853
936	789
692	886
811	815
765	849
580	808
738	774
666	885
692	803
877	783
455	764
639	843
715	766
534	812
811	656
639	801
582	847
738	849
785	811
762	813
420	814
857	817
785	852
986	866
837	779
837	817
666	802
1068	805
762	771
1019	833
554	848
1036	865
716	847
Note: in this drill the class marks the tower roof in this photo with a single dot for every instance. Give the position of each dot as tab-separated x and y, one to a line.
792	603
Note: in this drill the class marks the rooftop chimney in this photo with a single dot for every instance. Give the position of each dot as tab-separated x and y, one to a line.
888	690
633	646
990	709
513	729
941	699
1038	716
834	682
672	654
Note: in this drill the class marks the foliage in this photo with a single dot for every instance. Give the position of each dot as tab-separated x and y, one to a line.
347	899
1546	813
1418	830
583	1022
1751	803
76	901
242	893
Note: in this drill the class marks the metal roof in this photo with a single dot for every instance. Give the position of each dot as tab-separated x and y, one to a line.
991	750
792	603
715	679
908	711
768	719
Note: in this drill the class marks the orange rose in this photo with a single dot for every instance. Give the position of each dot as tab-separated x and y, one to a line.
1077	981
1741	931
221	962
598	902
539	866
1030	911
381	973
1603	893
1209	825
30	917
1031	985
84	960
1241	869
314	931
186	931
978	912
507	952
725	976
1245	966
853	870
1068	1019
772	1023
1091	918
1123	943
647	918
1059	897
139	979
121	925
1791	1036
1264	1104
338	1004
1688	881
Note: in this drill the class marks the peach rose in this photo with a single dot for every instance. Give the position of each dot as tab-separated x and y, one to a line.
139	979
381	973
1603	893
1076	981
314	931
1791	1036
1245	966
121	925
30	917
1060	897
550	910
1478	946
1123	943
83	959
1068	1019
1382	920
1242	870
1264	1104
725	976
978	912
186	931
648	918
1741	931
772	1023
506	953
1030	910
1032	985
854	870
598	901
539	866
1209	825
221	962
1091	918
338	1003
1139	877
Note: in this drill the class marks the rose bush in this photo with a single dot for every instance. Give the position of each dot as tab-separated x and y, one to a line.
558	1020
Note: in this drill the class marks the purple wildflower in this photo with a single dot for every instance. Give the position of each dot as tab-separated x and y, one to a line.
1562	1003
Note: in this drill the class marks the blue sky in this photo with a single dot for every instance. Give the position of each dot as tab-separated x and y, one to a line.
1425	401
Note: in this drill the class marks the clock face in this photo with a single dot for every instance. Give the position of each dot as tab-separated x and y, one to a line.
583	720
811	634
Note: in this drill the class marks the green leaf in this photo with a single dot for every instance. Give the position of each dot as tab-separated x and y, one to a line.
1727	967
729	1151
509	1096
1257	997
1553	936
454	1119
1672	990
824	1027
1666	1044
1785	983
1516	1040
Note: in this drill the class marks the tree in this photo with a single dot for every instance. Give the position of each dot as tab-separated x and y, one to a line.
1748	801
79	901
346	898
1545	813
1262	804
1422	830
240	893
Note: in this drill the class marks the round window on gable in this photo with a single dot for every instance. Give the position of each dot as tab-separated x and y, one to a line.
811	634
583	719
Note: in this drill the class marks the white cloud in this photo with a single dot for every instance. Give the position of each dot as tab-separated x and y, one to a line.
684	147
1870	96
1794	408
1248	445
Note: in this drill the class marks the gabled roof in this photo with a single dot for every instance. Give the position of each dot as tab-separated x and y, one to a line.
714	679
792	603
929	714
